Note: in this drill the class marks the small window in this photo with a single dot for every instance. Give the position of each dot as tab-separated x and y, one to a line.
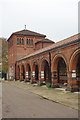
27	41
31	42
17	41
22	41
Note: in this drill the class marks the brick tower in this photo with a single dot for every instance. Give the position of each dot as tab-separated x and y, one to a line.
20	44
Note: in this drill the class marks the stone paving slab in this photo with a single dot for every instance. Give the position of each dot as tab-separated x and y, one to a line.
60	96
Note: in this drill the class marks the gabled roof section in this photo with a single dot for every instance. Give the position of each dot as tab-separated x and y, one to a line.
45	40
63	43
26	32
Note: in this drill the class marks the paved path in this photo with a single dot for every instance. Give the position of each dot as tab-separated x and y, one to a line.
58	95
19	103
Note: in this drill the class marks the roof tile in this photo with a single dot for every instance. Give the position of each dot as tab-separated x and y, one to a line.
65	41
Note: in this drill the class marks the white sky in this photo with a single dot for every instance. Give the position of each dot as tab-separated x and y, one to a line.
57	19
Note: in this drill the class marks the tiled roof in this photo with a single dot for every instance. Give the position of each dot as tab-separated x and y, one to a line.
45	40
26	32
54	46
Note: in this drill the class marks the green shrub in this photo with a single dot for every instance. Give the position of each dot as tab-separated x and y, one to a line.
48	85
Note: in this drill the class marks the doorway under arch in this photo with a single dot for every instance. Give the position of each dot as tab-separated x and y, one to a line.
74	67
23	72
18	72
62	71
45	71
35	72
28	69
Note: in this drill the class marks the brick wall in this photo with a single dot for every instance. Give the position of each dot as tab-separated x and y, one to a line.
39	45
17	51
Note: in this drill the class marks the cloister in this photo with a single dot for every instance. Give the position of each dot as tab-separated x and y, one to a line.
58	65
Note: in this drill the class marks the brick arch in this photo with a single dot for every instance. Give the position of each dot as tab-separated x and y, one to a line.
33	65
73	59
44	70
27	63
59	70
74	68
19	64
41	60
35	71
34	61
22	71
28	71
56	58
22	64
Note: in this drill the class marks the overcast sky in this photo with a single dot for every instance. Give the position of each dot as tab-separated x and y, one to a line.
58	19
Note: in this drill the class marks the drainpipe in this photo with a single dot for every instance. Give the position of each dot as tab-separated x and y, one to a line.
50	65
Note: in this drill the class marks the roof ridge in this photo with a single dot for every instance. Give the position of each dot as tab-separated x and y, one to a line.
60	43
26	32
69	37
29	31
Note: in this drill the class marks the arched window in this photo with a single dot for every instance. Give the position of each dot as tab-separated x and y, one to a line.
17	41
27	42
31	42
22	41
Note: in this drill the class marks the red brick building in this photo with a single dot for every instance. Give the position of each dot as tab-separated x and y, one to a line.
34	58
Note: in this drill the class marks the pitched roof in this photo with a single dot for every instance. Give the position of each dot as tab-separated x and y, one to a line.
26	32
45	40
57	45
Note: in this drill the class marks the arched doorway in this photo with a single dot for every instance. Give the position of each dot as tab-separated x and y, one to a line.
35	71
59	71
28	72
18	72
74	67
23	72
62	71
45	72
